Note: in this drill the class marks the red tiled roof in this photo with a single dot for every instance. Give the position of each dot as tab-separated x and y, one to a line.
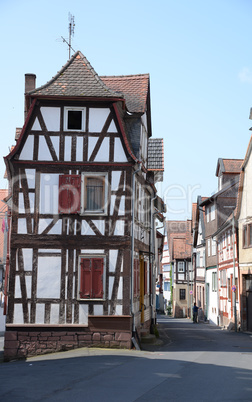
133	87
232	165
77	78
179	248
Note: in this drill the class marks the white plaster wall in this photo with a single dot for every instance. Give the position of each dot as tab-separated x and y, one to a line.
79	149
30	176
112	128
86	229
97	119
36	125
18	317
27	151
213	299
119	228
51	116
246	204
49	189
68	148
115	180
119	154
83	314
98	309
112	260
103	153
43	151
21	226
40	313
54	314
49	274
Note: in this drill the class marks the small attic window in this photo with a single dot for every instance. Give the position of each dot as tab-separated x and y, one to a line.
74	119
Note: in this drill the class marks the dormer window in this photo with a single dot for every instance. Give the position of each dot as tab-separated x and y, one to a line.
74	119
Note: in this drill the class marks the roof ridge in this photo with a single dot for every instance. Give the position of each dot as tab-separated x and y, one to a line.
77	55
125	76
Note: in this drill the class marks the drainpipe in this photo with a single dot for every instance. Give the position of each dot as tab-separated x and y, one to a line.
132	247
234	293
152	250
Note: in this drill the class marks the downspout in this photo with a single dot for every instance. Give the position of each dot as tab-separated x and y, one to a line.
152	250
234	291
132	247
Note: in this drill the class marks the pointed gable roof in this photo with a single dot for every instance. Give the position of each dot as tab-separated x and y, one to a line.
230	166
77	78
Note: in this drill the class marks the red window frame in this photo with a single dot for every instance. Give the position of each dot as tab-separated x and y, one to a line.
69	194
91	277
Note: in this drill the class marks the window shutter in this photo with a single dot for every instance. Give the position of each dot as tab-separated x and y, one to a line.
97	278
69	194
85	278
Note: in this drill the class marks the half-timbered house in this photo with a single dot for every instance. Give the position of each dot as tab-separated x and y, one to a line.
82	252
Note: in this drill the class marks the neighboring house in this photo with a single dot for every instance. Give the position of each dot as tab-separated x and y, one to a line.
218	208
84	205
228	274
166	273
244	217
199	260
180	243
3	252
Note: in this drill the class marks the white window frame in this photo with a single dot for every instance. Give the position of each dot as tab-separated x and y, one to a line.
207	214
83	195
209	247
212	212
180	270
83	120
213	245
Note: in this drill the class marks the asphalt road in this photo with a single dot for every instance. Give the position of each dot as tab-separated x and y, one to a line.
194	362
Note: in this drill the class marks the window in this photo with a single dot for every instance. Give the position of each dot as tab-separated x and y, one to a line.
94	192
91	277
214	281
86	194
69	194
209	247
213	246
223	278
181	267
182	294
247	235
166	267
74	119
197	259
212	212
167	286
207	214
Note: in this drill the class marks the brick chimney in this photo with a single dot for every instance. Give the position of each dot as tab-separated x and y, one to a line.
30	84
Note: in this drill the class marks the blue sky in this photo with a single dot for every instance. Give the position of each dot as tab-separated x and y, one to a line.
198	55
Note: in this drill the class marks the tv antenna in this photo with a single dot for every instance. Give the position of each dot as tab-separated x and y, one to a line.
70	33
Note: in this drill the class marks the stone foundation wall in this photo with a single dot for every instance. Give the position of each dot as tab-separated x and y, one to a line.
22	344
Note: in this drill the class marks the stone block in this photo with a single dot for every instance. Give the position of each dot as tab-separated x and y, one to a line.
11	336
11	344
96	336
67	338
108	338
122	336
84	337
